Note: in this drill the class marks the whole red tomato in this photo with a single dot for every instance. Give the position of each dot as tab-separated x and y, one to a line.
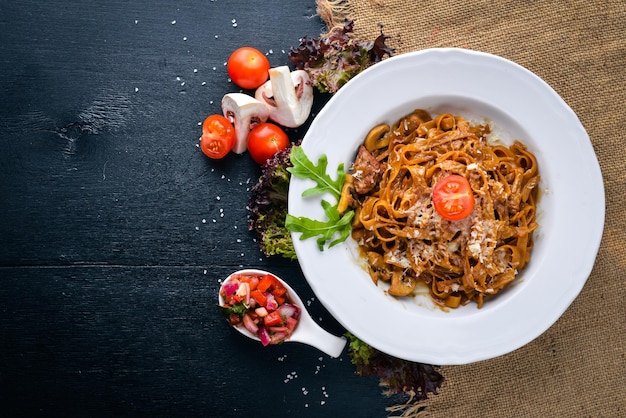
265	140
248	67
218	136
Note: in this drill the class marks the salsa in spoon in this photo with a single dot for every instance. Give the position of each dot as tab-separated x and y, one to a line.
265	308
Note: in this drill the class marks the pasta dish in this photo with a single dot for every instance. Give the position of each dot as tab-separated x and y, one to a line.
415	220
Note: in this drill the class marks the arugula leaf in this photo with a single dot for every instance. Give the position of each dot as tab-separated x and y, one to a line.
304	168
336	224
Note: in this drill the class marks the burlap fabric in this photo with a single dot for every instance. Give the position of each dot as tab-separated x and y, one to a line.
578	367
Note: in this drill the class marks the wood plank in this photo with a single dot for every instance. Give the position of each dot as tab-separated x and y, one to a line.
149	340
100	163
116	230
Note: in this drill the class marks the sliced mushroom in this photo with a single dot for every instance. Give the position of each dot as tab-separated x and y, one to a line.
244	112
288	96
401	285
376	139
346	200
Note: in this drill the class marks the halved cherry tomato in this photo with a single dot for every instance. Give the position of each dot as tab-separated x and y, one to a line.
453	197
248	67
218	136
265	140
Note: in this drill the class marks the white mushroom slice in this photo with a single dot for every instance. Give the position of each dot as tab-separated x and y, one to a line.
244	112
288	95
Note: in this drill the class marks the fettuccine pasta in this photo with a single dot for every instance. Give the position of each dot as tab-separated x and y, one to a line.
406	241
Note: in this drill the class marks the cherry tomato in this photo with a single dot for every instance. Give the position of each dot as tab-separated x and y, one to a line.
265	140
453	197
218	136
248	67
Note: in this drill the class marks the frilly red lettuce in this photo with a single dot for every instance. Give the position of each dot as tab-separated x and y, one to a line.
398	377
333	59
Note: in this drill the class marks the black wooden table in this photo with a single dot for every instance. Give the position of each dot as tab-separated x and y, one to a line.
116	230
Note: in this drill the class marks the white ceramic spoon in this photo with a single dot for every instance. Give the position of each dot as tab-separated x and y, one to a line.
307	331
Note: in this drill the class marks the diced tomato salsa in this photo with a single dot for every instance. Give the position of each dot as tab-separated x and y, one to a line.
261	304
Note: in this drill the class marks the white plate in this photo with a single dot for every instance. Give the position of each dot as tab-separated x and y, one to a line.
570	214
